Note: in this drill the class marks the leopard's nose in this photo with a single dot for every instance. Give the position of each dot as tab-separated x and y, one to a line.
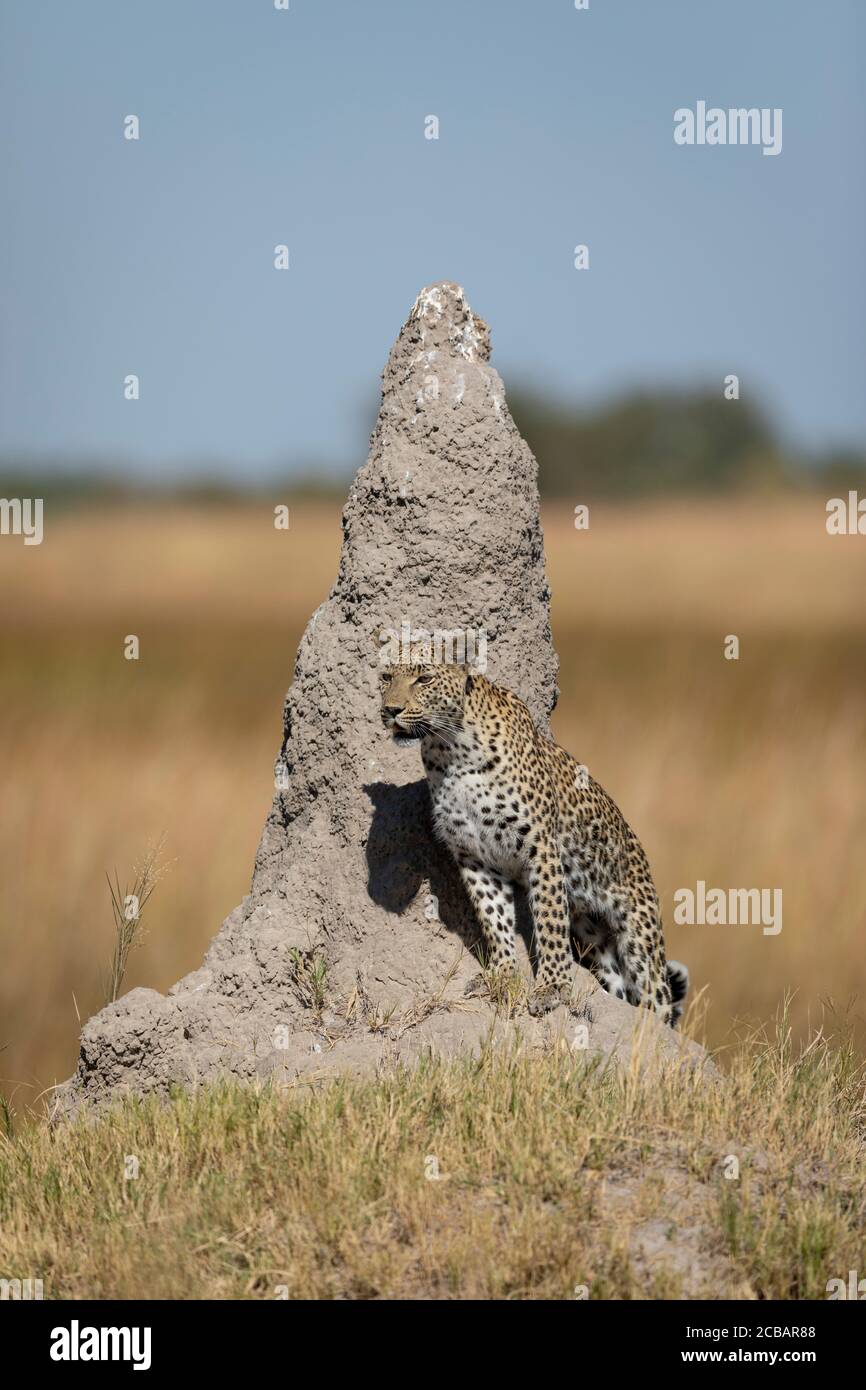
393	710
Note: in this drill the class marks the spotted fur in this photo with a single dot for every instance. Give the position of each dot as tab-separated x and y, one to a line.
514	808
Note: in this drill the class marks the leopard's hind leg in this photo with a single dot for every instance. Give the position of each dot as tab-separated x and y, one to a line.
596	947
637	931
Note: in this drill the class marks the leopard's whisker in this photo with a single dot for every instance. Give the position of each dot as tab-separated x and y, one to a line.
444	730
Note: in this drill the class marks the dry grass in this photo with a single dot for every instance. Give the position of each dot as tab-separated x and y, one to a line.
505	1177
744	774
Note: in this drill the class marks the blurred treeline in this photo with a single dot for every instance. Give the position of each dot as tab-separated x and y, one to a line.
652	442
639	444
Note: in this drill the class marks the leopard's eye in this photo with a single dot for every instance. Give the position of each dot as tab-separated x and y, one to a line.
423	680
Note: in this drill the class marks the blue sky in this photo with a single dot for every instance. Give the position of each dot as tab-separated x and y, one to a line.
261	127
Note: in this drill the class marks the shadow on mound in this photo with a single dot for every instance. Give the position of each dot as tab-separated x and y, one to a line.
403	854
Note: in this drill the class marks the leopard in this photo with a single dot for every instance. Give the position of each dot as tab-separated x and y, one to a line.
517	811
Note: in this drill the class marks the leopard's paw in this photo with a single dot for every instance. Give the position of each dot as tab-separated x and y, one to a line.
546	997
477	987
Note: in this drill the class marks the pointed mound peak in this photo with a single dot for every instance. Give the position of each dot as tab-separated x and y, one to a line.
447	324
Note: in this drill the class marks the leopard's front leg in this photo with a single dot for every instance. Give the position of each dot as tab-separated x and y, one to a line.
492	897
548	902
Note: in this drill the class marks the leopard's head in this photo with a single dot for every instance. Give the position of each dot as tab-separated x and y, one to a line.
422	700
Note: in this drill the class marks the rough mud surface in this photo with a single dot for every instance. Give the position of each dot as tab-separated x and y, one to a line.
351	948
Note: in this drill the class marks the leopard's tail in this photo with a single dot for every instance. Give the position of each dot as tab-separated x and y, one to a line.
678	979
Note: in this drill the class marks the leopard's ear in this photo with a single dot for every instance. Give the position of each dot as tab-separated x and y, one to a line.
469	683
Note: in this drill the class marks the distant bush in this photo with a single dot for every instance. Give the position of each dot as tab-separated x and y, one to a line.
637	444
663	441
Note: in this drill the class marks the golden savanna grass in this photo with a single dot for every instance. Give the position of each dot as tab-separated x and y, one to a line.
744	774
507	1176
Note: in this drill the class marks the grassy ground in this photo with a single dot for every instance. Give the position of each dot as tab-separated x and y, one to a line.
507	1177
743	774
